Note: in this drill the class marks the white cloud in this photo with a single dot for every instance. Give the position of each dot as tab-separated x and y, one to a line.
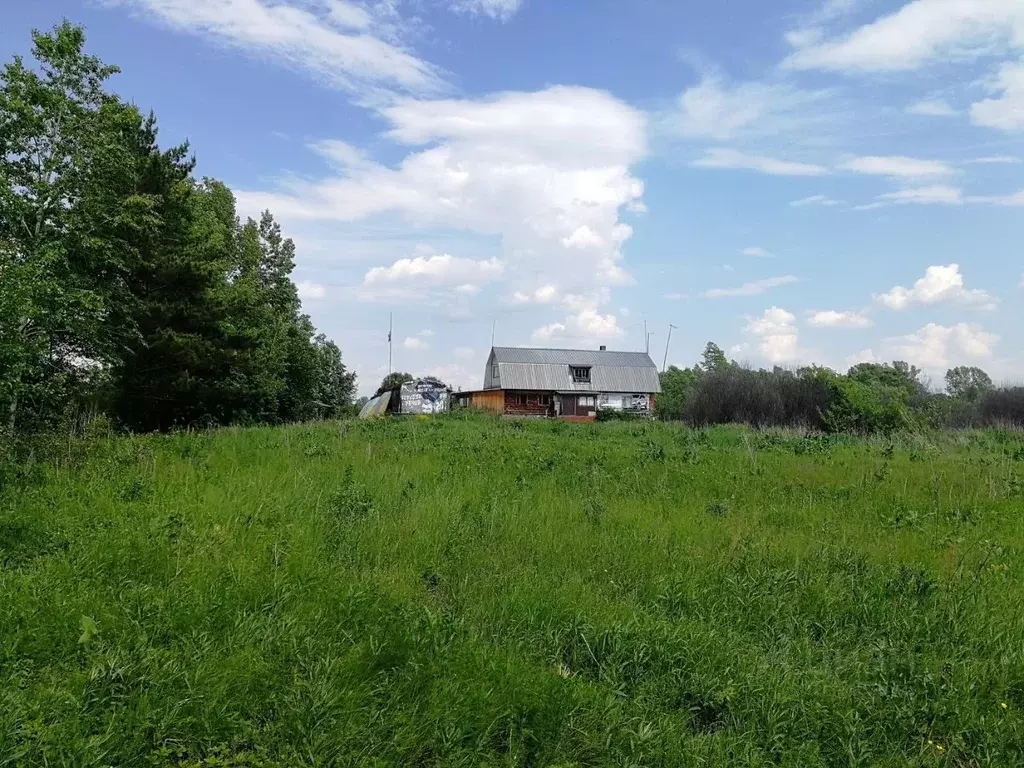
918	33
897	167
443	269
760	253
465	353
309	291
779	340
334	40
715	109
996	160
932	108
815	200
736	160
940	284
496	9
937	346
751	289
833	319
414	342
624	311
934	195
426	333
587	327
549	172
1008	201
1005	113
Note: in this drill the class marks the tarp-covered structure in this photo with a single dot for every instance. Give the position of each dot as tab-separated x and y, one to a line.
415	398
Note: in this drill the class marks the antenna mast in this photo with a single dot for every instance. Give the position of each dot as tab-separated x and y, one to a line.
664	363
391	325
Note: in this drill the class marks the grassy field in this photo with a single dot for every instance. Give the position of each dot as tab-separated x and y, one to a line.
467	592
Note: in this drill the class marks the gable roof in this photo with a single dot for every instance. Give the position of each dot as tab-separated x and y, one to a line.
550	370
581	357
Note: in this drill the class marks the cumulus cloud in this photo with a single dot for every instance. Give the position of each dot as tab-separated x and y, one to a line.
309	291
751	289
834	319
587	327
940	284
777	334
757	252
549	172
336	41
996	160
502	10
938	346
443	269
415	342
732	159
931	108
896	167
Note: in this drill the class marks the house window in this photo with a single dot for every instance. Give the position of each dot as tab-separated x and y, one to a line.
494	372
587	401
581	375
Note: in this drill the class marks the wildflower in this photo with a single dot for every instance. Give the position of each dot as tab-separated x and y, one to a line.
1004	706
930	741
939	747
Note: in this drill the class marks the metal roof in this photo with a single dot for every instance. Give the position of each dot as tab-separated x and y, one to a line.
573	357
549	369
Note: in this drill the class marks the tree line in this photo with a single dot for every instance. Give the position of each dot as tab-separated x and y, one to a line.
869	397
129	287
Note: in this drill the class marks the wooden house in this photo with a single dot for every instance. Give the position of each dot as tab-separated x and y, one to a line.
565	383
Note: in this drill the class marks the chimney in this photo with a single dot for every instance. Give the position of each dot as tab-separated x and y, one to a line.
604	348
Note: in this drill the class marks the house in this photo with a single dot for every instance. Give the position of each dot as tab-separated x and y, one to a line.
565	383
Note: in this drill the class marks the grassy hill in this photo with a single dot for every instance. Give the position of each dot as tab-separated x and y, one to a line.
467	592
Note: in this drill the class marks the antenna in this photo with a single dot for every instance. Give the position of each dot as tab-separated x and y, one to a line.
664	363
647	339
494	327
391	325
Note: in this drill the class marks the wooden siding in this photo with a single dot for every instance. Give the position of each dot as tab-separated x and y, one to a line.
490	401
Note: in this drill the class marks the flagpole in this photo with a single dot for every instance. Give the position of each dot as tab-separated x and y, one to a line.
391	324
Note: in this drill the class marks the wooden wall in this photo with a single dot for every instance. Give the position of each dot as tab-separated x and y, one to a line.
490	401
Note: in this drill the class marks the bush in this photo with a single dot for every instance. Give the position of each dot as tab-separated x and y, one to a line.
865	408
1002	408
759	398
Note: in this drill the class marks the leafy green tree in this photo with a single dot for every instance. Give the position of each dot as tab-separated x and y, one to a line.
968	383
391	381
66	209
713	358
676	386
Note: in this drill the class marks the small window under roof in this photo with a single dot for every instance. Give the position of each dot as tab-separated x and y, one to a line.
580	374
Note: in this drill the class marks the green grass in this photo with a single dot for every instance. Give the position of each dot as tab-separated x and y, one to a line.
468	592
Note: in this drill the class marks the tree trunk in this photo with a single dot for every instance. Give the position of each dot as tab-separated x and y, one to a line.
12	414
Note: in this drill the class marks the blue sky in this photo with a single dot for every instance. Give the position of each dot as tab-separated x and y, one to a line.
800	181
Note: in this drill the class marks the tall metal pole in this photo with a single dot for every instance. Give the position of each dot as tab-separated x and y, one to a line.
664	363
391	325
647	339
494	327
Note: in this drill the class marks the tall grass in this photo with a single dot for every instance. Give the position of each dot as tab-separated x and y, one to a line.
467	592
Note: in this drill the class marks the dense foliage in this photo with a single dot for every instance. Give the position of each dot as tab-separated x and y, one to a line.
129	287
471	592
870	397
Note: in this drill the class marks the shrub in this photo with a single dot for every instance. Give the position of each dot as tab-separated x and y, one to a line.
759	398
1002	408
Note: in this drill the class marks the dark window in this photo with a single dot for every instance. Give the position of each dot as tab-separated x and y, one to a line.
494	372
581	375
